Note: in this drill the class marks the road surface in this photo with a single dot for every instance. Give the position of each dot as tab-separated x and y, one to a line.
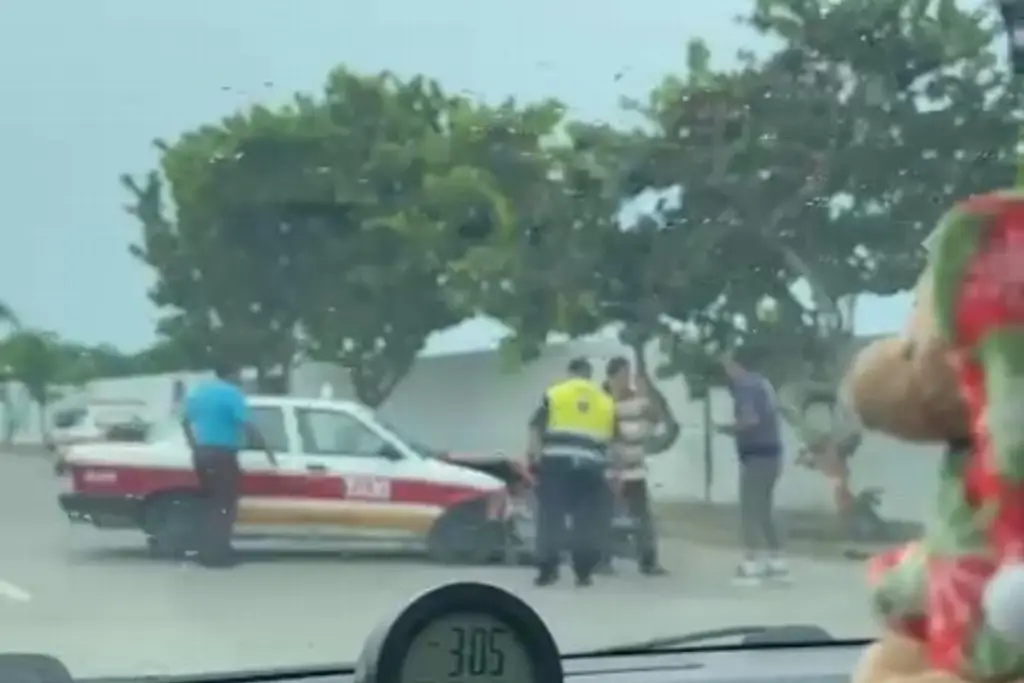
95	600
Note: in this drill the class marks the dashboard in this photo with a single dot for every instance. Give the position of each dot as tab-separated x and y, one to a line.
831	664
467	632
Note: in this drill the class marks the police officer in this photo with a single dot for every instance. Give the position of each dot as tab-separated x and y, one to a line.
569	437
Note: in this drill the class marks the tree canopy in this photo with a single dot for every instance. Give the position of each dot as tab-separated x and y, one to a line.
352	223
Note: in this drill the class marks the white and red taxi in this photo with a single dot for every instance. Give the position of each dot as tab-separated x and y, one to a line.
341	474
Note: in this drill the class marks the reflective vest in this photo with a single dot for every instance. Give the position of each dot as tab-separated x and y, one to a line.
581	420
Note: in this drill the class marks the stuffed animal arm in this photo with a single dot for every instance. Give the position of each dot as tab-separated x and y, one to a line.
954	601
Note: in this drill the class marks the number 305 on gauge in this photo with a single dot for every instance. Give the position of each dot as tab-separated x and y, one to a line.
477	652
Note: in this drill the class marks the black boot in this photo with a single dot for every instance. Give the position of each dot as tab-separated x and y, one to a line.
545	580
653	570
584	580
222	558
546	576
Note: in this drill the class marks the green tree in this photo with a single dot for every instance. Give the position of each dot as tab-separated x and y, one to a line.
77	364
327	227
819	164
34	359
217	270
82	363
536	270
162	357
10	425
377	283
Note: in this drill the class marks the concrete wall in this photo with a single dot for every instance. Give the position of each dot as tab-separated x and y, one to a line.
468	401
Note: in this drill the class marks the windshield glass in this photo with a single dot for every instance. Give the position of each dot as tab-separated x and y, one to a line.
442	211
65	419
414	443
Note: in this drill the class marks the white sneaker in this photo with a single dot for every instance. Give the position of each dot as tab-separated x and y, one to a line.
749	573
776	569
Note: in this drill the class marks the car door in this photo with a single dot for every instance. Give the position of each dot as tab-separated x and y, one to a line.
369	471
274	498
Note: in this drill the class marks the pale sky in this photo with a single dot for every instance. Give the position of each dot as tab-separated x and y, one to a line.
88	84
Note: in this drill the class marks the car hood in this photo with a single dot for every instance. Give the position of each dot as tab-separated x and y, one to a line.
462	475
474	457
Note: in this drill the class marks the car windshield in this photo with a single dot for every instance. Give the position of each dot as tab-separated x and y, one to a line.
65	419
646	237
413	443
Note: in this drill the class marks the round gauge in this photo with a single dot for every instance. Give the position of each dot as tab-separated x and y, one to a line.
462	633
467	648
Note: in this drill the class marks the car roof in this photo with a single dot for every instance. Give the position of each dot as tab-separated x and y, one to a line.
304	402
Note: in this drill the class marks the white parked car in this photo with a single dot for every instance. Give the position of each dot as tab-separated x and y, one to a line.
91	422
341	474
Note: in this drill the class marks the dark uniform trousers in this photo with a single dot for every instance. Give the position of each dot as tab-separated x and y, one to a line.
571	496
220	481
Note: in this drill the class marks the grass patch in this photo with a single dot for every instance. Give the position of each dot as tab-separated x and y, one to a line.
807	533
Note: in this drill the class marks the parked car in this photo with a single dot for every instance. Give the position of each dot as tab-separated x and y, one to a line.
341	475
94	421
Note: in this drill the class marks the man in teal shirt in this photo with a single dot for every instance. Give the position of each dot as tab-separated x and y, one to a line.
217	423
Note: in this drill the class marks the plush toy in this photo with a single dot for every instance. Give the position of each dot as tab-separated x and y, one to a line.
953	602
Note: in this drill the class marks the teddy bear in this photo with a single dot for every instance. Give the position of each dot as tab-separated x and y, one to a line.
952	603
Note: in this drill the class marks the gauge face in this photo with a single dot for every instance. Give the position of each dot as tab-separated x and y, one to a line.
467	648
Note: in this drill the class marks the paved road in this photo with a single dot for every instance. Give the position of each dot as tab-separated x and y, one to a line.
96	601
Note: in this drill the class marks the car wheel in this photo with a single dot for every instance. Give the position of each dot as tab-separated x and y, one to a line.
159	550
170	523
464	535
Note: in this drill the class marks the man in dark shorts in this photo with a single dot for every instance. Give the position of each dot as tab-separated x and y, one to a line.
216	423
759	447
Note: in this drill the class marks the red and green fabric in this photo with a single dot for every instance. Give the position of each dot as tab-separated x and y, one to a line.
961	588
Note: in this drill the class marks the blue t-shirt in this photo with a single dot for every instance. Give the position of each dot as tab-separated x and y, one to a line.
217	412
754	395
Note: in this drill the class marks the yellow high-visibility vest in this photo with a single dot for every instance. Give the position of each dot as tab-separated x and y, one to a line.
581	420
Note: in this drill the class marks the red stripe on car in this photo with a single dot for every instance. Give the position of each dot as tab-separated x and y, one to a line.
140	481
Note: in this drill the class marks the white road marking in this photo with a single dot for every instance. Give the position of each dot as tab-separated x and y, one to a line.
12	592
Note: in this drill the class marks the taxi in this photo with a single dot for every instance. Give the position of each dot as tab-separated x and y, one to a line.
341	475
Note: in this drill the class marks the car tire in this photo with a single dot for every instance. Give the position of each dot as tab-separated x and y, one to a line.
171	523
464	535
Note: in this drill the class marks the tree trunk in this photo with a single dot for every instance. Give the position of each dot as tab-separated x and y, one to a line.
44	428
669	433
10	425
709	445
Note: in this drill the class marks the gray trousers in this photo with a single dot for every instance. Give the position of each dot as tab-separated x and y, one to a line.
758	475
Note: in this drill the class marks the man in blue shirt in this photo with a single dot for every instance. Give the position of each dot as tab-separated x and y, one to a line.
758	436
217	425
